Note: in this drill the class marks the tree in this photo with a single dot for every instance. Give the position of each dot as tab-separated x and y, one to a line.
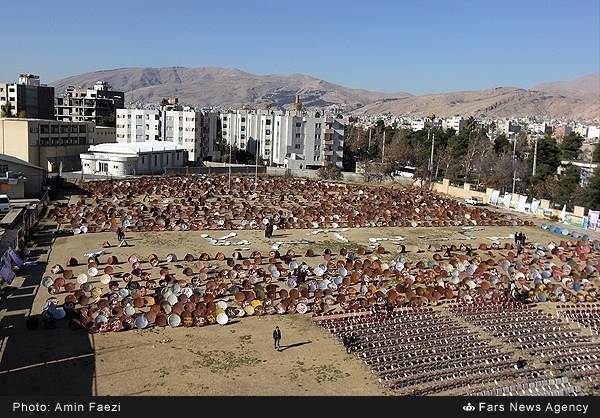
330	172
6	110
501	144
596	154
570	147
590	197
108	120
547	160
568	187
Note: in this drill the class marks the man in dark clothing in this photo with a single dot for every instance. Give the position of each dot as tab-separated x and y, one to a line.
350	341
269	230
276	337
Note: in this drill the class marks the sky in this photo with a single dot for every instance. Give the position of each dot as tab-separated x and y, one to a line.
414	46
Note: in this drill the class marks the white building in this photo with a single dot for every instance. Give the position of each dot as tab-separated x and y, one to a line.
136	158
194	130
291	139
458	123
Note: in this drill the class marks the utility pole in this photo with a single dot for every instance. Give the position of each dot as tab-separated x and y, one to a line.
534	157
514	165
383	146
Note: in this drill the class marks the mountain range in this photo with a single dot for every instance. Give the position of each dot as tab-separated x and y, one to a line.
229	88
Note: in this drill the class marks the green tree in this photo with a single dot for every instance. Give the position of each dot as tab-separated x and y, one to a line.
590	197
596	154
570	147
547	159
108	120
501	144
568	187
6	110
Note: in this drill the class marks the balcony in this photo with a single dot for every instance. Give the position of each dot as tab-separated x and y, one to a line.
328	131
327	152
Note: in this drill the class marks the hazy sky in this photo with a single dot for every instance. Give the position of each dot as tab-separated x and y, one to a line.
413	46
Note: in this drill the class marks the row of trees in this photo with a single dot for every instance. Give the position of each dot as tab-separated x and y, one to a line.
530	165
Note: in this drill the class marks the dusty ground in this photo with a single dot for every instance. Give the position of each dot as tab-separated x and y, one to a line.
237	358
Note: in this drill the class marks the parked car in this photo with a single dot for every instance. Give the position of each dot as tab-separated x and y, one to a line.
5	205
475	201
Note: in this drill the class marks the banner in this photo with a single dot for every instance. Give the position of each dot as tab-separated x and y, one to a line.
535	204
507	197
521	204
593	219
494	197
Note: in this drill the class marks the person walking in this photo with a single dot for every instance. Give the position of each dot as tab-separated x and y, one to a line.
276	337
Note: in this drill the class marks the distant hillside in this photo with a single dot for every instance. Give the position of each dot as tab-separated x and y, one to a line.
225	88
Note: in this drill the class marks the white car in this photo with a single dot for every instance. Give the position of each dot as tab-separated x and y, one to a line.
5	205
475	201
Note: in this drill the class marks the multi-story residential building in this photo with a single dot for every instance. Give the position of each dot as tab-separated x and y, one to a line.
291	139
50	144
196	131
28	98
458	123
88	104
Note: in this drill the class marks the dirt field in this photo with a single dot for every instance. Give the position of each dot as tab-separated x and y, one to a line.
235	358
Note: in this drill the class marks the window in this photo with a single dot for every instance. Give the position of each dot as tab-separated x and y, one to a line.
3	168
103	167
298	125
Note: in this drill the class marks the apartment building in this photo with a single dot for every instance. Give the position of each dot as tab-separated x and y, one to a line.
28	98
290	139
88	104
195	131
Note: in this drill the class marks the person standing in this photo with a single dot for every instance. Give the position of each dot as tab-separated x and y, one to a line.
120	234
276	337
269	230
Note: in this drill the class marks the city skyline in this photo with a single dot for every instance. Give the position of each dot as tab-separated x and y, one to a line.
383	45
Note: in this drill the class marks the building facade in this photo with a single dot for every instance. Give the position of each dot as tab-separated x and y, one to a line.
88	104
292	139
28	98
50	144
195	131
130	159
